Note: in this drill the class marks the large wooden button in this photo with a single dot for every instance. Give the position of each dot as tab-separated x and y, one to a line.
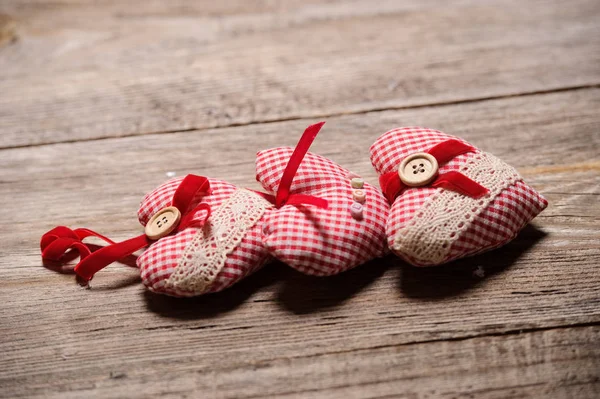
418	169
162	223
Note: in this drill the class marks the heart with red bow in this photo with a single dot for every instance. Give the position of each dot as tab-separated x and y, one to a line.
317	240
448	199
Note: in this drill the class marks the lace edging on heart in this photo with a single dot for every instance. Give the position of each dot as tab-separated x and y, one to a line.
205	255
427	239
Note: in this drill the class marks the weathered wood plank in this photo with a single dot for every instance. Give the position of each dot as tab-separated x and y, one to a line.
116	69
278	329
557	363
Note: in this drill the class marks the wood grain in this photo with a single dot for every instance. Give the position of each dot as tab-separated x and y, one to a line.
383	329
99	100
558	363
81	71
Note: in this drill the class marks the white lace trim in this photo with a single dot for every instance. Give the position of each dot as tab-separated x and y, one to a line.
205	255
428	237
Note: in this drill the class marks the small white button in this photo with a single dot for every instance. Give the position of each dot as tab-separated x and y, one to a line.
356	210
357	182
162	223
359	196
418	169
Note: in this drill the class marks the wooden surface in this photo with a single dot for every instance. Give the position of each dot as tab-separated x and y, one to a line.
99	100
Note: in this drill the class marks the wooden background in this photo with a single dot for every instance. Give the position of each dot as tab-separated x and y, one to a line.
100	99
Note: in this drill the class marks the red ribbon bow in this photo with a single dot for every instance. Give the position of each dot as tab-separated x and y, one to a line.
283	196
55	243
392	186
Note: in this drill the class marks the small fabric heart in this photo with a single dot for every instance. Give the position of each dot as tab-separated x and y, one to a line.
214	252
315	240
449	199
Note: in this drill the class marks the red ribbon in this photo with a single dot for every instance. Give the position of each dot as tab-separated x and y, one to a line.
283	196
392	186
55	243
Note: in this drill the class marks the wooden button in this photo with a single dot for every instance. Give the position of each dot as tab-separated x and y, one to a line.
418	169
162	223
357	182
356	210
359	196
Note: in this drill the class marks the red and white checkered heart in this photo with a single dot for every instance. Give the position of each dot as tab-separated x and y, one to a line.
315	240
212	255
430	224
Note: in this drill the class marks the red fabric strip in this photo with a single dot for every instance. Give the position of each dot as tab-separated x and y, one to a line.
449	149
187	221
301	199
456	181
83	233
60	239
103	257
190	186
297	199
391	185
55	243
283	191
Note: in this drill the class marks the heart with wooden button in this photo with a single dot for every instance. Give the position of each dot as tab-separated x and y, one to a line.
448	199
216	250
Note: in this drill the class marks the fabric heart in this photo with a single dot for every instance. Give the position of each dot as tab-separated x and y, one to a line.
449	199
211	255
316	240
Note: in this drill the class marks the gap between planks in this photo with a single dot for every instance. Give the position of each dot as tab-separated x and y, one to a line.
316	116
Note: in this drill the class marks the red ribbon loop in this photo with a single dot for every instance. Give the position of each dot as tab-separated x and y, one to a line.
283	196
445	151
188	189
56	242
392	186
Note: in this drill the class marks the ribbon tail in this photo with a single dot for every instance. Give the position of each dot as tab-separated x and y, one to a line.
56	242
456	181
302	199
103	257
309	135
446	150
55	250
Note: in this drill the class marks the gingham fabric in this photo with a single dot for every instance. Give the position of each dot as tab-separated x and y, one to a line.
159	261
496	225
320	241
